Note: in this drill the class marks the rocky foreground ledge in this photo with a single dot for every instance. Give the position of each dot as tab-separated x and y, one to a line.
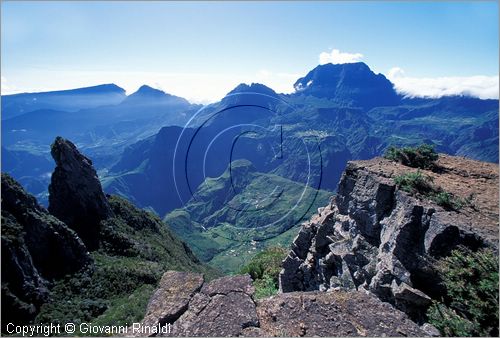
226	307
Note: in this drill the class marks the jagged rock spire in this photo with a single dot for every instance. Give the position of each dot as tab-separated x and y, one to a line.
75	193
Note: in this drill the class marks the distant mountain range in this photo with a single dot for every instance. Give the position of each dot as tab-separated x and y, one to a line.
157	149
102	120
65	100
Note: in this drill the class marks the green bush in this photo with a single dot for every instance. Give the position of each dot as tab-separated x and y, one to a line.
135	249
414	183
470	307
267	262
448	322
449	201
265	287
104	294
423	156
444	199
264	269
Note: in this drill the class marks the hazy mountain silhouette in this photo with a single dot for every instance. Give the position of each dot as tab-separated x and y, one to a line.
65	100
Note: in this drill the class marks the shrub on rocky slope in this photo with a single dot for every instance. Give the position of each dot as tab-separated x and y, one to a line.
470	306
423	156
264	268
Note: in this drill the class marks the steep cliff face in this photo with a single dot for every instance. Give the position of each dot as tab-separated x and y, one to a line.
36	249
76	195
376	237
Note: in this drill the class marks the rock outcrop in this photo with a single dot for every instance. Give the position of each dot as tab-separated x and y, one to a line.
378	238
36	249
222	307
226	307
75	193
171	299
336	313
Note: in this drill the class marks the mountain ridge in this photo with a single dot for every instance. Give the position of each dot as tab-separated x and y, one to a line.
70	100
105	87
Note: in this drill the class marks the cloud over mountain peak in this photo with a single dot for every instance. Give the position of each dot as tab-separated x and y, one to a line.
335	56
481	86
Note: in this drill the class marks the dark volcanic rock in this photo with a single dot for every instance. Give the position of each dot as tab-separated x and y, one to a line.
36	248
226	285
172	297
377	238
225	307
76	195
336	313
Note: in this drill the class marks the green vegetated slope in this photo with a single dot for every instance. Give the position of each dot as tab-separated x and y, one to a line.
456	125
227	224
135	249
470	305
264	268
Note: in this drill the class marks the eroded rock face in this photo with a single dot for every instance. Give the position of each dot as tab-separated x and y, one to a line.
172	297
36	248
222	307
377	238
226	307
76	195
336	313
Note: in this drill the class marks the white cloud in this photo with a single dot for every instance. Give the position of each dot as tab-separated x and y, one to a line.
279	82
396	72
7	88
336	56
481	86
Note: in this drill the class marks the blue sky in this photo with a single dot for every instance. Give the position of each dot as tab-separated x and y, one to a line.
202	50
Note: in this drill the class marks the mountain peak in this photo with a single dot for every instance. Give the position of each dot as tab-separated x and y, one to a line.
147	95
146	90
255	94
352	83
353	66
254	88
